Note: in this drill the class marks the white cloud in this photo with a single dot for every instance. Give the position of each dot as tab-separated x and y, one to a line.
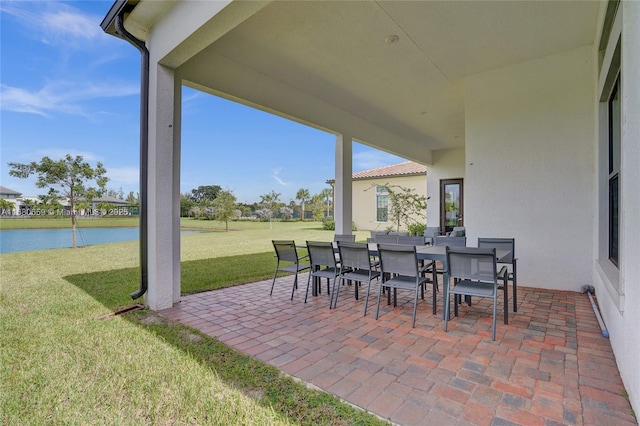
61	96
123	176
276	176
56	23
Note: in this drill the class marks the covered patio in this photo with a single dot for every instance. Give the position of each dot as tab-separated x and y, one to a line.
532	104
549	366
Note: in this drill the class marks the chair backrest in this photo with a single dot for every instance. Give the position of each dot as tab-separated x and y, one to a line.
386	239
321	253
398	259
500	244
354	255
441	240
400	234
344	237
286	250
374	234
457	231
412	241
431	231
472	263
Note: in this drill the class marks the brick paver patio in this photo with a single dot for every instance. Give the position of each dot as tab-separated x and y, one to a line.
549	366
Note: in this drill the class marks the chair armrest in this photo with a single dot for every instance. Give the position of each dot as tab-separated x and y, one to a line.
504	273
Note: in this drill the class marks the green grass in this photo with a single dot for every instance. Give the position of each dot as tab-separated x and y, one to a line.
60	364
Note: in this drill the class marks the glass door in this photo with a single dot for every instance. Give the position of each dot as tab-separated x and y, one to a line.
451	204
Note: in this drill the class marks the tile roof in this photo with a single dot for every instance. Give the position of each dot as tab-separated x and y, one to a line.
407	168
5	190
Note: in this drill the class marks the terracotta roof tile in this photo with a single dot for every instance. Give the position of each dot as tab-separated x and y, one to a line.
401	169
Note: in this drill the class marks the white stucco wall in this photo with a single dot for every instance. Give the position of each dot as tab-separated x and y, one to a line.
447	164
529	165
620	310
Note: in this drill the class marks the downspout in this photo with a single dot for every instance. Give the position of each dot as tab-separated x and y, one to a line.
144	150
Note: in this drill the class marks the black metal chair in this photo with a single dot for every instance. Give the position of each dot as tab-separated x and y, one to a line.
400	270
323	264
474	273
287	253
355	265
508	244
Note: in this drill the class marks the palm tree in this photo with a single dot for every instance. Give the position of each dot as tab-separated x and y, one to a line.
327	194
303	196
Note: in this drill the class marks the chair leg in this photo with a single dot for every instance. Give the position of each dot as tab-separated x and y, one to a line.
274	281
306	293
434	285
495	310
415	307
295	285
366	299
379	297
515	288
456	297
334	294
506	300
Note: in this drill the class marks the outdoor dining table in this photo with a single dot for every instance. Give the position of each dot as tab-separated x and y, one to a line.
438	254
423	252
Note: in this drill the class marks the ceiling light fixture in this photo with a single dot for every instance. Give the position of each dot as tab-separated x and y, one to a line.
391	39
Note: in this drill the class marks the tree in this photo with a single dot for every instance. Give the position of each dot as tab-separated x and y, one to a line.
286	212
6	207
405	206
327	194
225	207
317	206
302	195
116	194
205	193
133	201
70	175
270	202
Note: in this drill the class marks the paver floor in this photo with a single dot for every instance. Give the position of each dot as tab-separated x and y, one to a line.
549	366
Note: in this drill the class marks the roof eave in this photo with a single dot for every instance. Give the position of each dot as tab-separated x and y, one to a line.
108	24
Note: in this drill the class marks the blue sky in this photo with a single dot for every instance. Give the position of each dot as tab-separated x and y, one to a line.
68	88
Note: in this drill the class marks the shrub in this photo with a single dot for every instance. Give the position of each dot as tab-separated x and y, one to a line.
329	224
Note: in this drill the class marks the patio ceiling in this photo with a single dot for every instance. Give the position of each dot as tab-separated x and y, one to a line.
329	64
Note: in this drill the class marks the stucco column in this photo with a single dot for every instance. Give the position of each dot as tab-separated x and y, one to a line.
343	188
163	184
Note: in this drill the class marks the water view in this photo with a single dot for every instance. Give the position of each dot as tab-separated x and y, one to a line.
39	239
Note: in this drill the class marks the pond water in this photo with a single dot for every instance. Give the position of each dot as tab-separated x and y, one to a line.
39	239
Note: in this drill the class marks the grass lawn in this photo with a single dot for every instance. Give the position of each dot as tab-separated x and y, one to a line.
61	364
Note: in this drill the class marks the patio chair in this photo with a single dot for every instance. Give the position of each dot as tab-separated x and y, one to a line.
473	271
344	237
425	266
430	233
323	264
505	244
410	240
400	270
286	252
442	240
356	265
375	234
386	239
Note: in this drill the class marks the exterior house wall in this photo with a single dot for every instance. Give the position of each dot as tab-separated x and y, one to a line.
529	164
364	199
618	301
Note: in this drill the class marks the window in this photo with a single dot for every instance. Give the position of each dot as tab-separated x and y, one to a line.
614	171
382	204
